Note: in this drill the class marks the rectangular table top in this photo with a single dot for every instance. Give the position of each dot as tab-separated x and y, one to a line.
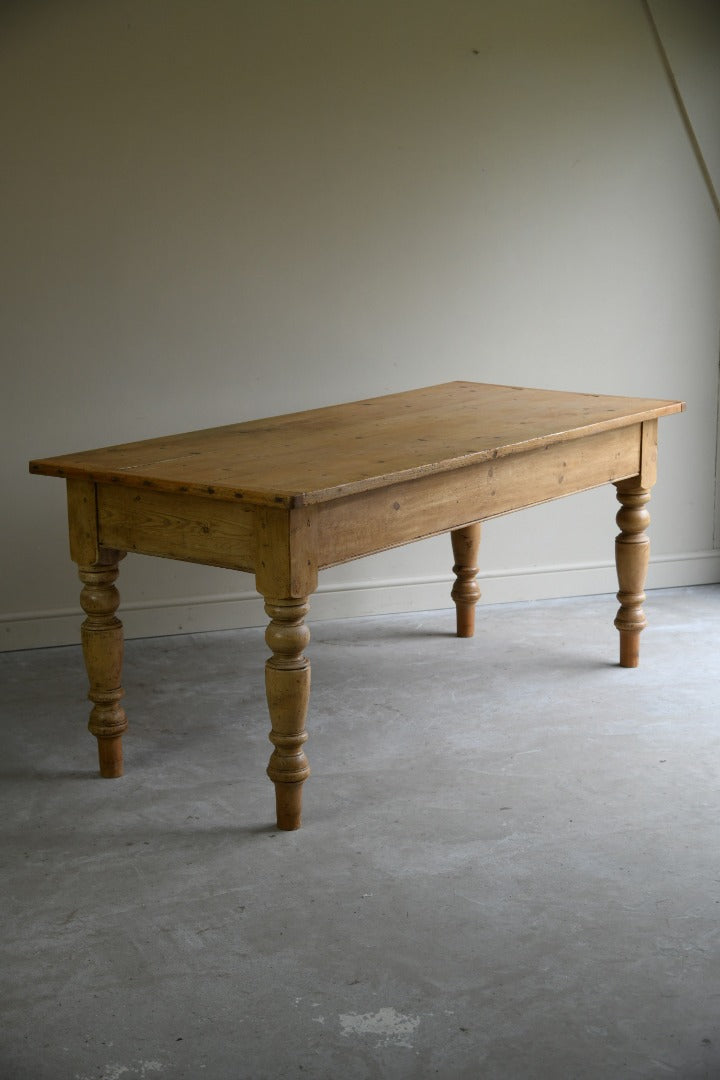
327	453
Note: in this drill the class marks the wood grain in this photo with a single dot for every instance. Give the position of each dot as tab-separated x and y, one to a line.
323	454
376	520
177	527
102	643
287	496
287	687
632	553
465	591
82	521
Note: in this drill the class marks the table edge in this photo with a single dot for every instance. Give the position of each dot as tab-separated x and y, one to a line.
292	499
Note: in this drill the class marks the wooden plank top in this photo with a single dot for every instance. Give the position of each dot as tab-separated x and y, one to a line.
323	454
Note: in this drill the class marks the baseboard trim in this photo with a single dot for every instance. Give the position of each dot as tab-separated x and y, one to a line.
36	630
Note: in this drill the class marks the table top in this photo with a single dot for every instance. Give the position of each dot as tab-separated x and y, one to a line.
327	453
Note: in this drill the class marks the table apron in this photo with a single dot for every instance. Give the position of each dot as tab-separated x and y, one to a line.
426	506
219	533
177	526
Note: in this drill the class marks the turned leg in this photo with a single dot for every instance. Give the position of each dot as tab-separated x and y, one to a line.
465	591
632	550
287	684
102	641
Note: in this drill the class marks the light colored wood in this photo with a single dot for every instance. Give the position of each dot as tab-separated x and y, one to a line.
465	591
287	496
287	685
177	526
649	453
429	505
325	454
82	521
102	642
632	552
286	560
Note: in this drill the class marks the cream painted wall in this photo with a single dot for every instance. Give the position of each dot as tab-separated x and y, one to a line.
222	210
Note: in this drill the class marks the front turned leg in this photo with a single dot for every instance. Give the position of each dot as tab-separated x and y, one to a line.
632	551
465	591
287	684
102	642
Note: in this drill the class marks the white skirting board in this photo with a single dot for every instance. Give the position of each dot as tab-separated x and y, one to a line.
37	630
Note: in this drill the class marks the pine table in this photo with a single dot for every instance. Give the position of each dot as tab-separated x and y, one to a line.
285	497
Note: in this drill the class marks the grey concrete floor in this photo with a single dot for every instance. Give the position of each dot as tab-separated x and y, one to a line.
509	865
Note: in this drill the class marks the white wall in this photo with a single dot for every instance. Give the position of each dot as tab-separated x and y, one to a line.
219	210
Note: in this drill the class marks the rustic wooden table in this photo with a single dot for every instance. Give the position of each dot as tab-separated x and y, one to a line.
284	497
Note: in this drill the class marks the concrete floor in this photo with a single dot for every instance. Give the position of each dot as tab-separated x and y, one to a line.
509	867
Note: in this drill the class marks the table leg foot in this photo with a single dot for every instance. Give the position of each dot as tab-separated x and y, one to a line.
102	643
110	756
632	552
288	806
287	685
465	591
